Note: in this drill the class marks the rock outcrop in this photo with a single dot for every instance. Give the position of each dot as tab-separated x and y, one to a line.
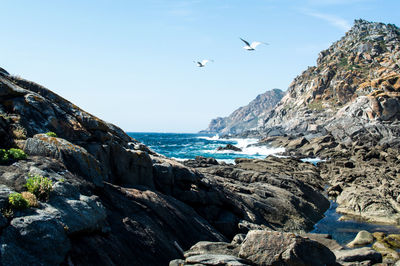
260	247
352	93
246	117
278	193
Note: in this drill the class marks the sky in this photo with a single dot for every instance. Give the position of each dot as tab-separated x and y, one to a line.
130	63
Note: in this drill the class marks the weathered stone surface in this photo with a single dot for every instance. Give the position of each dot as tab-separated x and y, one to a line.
35	239
323	239
215	259
204	247
142	223
75	158
358	255
276	192
270	248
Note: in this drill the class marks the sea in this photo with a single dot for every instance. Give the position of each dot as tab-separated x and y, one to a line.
184	146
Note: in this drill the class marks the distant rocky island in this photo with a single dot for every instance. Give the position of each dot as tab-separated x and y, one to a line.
76	190
247	117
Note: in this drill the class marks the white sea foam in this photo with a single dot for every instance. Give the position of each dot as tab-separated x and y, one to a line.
312	160
179	159
232	161
216	137
247	149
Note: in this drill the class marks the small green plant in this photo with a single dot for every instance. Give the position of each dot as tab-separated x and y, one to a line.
40	186
17	201
4	156
51	134
17	154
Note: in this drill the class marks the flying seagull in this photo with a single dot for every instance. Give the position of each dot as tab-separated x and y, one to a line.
252	46
202	63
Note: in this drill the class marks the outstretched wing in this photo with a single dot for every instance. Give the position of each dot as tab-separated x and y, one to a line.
255	44
205	61
248	44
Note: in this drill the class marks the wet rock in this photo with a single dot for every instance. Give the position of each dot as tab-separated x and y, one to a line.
363	238
229	147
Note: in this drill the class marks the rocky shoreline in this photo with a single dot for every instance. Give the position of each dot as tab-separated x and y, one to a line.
75	190
114	200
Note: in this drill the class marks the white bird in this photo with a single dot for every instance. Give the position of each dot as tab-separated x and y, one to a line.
202	63
252	46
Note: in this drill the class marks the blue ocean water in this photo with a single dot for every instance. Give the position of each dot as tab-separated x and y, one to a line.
183	146
187	146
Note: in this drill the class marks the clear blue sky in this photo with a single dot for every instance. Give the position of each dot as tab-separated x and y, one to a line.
130	62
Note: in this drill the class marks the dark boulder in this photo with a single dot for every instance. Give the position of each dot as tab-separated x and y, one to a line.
229	147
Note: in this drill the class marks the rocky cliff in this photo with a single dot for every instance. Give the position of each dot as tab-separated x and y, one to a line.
113	201
353	92
246	117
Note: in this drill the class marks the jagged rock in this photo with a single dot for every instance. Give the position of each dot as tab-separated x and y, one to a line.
246	117
201	161
204	247
215	259
142	223
270	248
353	91
34	239
266	188
358	255
229	147
76	158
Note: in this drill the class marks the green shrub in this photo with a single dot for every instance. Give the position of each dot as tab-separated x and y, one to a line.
17	201
40	186
51	134
17	154
4	156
